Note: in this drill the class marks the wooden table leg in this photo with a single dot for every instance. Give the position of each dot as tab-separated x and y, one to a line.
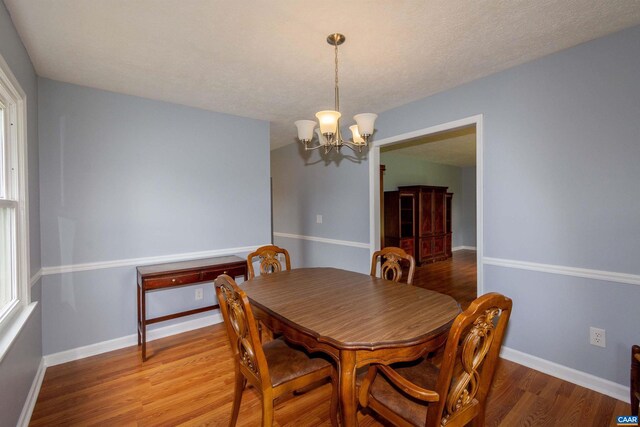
347	388
139	320
143	328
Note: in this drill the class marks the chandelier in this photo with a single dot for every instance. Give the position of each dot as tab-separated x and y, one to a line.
329	135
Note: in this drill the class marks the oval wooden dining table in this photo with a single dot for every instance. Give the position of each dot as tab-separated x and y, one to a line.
355	318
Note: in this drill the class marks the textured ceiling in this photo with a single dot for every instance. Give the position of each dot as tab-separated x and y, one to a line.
455	147
268	59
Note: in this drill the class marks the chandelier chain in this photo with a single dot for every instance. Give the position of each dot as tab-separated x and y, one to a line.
337	94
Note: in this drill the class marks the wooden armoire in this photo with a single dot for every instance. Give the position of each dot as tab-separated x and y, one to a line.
417	219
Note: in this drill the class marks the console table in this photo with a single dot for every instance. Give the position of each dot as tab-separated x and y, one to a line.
183	273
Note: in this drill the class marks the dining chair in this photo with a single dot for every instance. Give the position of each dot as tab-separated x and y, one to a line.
391	259
274	368
269	260
421	394
635	379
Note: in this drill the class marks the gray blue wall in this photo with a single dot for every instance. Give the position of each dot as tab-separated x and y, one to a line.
301	191
124	178
560	188
410	170
468	201
19	366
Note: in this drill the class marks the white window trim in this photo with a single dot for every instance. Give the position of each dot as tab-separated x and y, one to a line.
17	139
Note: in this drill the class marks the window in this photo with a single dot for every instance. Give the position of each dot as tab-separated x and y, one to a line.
14	261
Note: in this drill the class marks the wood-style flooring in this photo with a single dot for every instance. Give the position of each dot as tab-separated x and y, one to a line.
455	277
188	381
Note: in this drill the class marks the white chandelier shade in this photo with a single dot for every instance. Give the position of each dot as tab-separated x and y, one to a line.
365	122
305	129
328	120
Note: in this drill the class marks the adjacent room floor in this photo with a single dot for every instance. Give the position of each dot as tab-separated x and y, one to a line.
188	380
455	277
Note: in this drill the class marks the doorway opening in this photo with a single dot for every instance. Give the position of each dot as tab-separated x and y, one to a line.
446	159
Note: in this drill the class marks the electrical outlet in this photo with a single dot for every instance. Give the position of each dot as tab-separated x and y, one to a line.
199	294
319	219
597	337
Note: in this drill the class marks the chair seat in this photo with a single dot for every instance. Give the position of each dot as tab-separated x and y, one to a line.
423	374
286	363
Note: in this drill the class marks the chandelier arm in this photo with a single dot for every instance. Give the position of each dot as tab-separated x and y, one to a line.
307	148
354	147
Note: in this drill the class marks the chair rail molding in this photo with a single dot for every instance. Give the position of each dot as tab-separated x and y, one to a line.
586	273
34	279
72	268
323	240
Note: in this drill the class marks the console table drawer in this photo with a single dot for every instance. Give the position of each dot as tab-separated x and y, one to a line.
168	281
211	275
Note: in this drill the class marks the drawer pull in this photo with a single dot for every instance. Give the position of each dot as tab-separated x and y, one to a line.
173	280
224	272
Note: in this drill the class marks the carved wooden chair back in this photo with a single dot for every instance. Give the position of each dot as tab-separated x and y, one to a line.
635	379
456	392
270	260
242	331
469	361
391	260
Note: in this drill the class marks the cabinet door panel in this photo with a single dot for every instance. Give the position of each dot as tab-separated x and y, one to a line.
408	246
426	218
438	245
426	247
438	212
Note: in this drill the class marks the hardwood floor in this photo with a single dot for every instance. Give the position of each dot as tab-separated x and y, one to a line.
455	277
188	381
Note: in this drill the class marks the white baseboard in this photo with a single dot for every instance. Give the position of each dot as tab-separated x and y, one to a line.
129	340
32	397
462	248
583	379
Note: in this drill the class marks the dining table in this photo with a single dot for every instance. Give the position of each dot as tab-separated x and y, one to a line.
355	318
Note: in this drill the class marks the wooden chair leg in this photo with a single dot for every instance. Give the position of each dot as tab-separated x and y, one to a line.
240	384
334	399
267	411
